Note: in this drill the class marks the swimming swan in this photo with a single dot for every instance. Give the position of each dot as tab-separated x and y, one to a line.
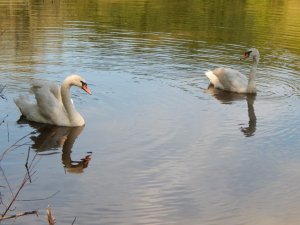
234	81
53	102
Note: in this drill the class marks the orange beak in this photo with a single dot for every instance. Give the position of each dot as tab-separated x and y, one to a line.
86	89
246	55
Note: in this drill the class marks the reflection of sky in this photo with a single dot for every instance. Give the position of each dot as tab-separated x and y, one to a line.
163	167
163	148
160	152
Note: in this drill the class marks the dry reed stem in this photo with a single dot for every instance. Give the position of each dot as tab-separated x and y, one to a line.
2	87
73	221
50	217
26	178
18	215
3	120
15	145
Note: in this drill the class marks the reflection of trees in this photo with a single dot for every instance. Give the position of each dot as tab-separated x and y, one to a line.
199	20
227	97
49	137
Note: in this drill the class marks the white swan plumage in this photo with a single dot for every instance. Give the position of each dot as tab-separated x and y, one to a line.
53	103
234	81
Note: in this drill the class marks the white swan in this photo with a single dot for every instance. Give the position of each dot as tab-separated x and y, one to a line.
234	81
53	102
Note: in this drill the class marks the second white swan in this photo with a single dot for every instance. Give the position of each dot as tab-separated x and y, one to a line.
53	103
234	81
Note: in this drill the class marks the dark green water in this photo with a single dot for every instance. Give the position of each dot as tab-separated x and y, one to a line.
159	146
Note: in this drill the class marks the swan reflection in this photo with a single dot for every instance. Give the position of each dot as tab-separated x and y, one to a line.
49	137
229	97
251	128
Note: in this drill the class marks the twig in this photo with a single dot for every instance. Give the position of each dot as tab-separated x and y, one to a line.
14	197
13	146
3	174
26	165
18	215
29	165
38	199
7	131
2	89
74	221
3	120
27	176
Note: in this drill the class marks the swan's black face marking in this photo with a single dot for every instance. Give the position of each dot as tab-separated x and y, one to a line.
85	87
83	83
247	54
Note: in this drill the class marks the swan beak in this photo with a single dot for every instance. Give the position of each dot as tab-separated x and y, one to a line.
86	89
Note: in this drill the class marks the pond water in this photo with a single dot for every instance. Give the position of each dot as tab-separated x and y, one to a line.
159	146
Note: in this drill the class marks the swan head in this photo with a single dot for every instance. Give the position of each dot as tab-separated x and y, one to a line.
251	53
78	81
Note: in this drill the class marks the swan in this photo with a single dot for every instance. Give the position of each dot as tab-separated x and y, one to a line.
232	80
53	103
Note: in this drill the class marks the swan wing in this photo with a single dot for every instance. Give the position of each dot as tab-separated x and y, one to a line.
29	109
51	86
228	79
49	106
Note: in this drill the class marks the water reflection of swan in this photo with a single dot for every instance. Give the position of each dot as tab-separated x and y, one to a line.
49	137
229	97
250	130
234	81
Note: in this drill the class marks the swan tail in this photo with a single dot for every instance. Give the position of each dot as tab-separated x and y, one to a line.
24	104
28	109
212	77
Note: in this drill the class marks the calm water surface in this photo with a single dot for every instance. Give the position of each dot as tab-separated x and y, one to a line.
159	146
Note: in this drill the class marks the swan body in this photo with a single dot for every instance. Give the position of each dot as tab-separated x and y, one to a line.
232	80
53	103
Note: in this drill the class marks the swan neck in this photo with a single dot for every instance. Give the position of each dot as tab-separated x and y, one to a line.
66	99
252	76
